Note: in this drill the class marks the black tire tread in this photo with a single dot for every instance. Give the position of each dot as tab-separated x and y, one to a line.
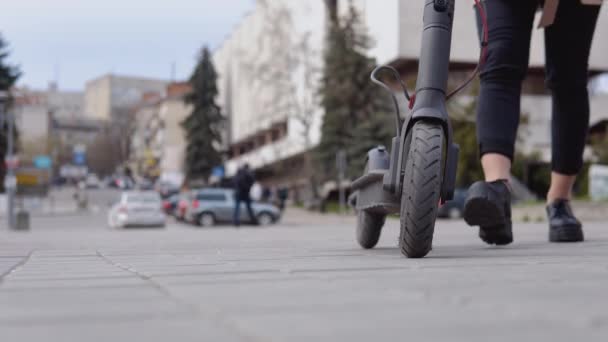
421	189
369	227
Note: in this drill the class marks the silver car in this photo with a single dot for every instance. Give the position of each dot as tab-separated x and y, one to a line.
137	208
216	205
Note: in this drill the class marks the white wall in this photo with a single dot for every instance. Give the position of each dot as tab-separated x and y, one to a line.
258	83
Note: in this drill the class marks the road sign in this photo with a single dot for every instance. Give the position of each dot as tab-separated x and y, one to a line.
218	172
79	158
11	161
43	162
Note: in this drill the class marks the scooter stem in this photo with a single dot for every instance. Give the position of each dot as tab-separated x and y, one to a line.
431	85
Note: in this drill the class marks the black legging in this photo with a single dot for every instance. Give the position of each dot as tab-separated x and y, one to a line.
567	46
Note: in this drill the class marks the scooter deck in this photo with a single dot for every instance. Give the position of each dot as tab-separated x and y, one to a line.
371	196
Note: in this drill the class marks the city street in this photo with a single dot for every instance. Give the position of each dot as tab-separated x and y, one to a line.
73	279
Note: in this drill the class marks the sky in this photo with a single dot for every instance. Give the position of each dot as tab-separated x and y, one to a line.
72	41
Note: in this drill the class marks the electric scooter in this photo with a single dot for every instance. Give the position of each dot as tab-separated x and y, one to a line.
418	174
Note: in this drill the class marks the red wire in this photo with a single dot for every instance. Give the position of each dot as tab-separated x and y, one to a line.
483	54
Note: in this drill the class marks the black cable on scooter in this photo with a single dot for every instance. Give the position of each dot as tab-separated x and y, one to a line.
412	99
397	76
482	54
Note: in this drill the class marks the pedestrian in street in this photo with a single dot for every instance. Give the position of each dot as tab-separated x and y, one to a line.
569	28
282	194
266	194
243	181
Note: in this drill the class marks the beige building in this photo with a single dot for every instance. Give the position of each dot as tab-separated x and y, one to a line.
38	111
172	112
141	157
106	95
158	142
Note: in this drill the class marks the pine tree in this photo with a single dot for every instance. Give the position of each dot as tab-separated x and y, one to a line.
203	126
8	76
357	114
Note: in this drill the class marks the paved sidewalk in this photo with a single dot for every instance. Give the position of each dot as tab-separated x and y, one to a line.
79	281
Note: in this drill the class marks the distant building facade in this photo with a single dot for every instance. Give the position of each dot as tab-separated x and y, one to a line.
269	69
35	112
158	142
108	95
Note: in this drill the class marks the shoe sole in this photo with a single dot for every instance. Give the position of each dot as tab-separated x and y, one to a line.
566	234
479	211
498	236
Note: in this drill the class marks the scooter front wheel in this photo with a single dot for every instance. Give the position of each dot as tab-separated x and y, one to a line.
421	188
369	227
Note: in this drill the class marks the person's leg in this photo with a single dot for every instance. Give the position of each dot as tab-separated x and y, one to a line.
567	48
488	203
252	217
236	218
496	166
498	111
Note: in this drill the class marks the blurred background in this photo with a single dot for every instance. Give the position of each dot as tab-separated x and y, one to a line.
174	97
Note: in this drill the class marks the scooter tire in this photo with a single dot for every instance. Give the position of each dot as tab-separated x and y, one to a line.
369	227
421	188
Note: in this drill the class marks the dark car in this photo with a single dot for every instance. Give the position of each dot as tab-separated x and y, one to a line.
453	209
170	204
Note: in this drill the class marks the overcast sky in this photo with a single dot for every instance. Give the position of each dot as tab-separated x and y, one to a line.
77	40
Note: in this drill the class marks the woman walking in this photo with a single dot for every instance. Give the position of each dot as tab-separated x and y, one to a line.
568	39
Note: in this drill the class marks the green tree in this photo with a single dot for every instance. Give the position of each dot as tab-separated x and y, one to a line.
357	112
464	129
9	74
599	149
203	126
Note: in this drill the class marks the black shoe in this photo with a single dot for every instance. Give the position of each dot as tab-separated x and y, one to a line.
563	226
488	205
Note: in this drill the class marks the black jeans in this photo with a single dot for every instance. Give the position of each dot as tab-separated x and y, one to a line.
567	46
236	219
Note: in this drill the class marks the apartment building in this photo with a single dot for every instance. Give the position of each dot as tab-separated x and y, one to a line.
158	142
268	68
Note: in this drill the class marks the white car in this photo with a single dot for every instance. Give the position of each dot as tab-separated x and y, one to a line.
137	208
92	181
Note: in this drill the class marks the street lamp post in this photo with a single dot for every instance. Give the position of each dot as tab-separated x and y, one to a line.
9	179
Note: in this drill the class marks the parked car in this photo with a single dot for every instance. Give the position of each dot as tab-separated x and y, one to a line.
137	208
92	181
216	205
454	209
145	185
183	203
170	204
123	183
167	189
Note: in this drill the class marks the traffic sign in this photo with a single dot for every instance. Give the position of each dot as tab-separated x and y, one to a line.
43	162
11	162
79	158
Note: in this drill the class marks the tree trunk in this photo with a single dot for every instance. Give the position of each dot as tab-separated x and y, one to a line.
332	10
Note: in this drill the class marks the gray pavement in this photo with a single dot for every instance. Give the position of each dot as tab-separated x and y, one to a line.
72	279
